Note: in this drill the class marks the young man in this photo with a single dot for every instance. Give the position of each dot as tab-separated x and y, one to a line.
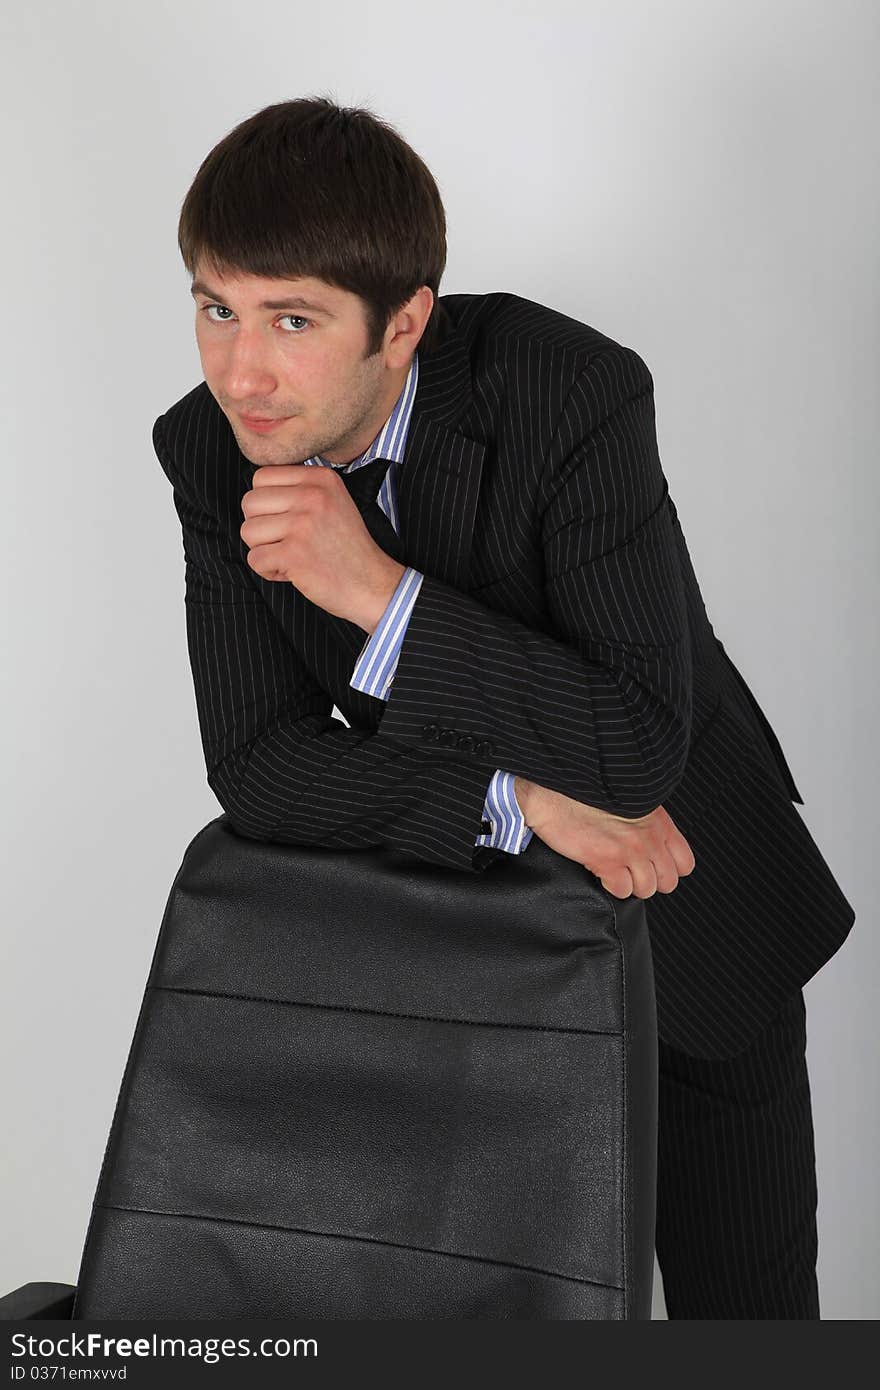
447	516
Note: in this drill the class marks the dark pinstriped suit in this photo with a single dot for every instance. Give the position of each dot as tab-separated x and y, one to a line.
559	633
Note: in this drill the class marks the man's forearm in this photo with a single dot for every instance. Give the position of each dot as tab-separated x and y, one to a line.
555	710
530	794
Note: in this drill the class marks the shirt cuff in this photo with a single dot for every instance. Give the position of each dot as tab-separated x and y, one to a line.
374	669
502	814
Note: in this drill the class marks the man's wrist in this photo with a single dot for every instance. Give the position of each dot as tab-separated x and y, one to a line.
522	789
375	602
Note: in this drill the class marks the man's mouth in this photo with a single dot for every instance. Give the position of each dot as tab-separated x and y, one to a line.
261	424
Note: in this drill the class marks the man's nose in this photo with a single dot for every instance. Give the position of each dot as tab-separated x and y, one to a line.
248	369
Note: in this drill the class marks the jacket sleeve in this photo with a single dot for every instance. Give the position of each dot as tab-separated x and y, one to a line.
504	824
600	708
282	768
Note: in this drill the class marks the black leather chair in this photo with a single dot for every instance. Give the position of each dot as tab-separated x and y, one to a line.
362	1086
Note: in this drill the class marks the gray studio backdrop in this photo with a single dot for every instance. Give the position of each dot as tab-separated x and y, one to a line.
697	180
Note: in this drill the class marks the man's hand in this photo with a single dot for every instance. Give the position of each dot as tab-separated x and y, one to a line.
302	525
643	856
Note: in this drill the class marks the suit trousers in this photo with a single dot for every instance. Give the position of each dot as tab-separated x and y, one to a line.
736	1232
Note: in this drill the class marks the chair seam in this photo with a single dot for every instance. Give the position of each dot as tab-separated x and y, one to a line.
369	1240
388	1013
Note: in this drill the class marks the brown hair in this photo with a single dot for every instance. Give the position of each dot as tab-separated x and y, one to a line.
309	188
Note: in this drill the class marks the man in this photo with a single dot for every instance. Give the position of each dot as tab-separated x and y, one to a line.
446	515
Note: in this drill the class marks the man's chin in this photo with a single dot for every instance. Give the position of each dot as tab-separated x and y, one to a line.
267	452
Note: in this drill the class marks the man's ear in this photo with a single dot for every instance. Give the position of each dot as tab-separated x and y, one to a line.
408	324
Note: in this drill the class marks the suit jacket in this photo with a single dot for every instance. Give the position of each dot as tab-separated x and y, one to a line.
559	632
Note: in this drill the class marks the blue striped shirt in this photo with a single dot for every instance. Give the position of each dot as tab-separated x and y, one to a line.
374	669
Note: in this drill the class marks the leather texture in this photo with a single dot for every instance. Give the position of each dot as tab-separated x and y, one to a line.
364	1088
559	633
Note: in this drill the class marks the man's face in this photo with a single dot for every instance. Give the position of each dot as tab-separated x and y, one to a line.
293	351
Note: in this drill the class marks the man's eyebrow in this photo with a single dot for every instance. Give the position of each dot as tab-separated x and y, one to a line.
293	302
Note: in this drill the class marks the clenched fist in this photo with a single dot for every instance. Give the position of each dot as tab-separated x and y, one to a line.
302	526
642	856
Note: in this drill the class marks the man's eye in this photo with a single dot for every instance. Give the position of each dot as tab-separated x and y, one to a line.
296	316
206	309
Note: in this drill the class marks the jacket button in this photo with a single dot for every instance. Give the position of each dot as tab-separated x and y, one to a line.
447	737
485	748
430	731
467	744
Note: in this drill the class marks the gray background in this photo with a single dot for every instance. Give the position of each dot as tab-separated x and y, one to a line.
698	181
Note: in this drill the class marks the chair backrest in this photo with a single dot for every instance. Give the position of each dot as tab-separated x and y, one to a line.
363	1086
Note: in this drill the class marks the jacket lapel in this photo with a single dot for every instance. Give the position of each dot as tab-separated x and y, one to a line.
438	489
439	480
